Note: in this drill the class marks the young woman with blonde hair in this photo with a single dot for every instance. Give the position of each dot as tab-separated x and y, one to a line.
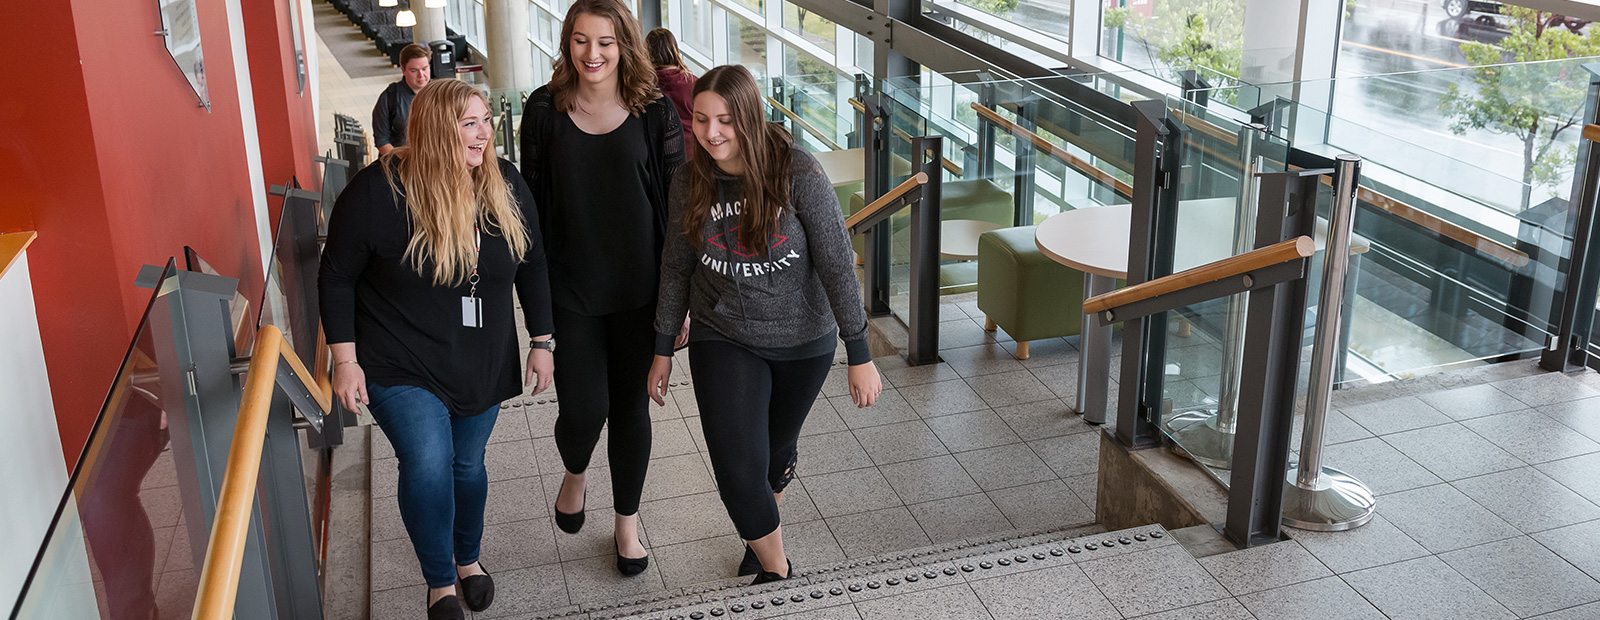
759	259
424	248
599	144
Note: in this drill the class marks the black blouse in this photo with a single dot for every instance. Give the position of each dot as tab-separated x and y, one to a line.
408	331
601	230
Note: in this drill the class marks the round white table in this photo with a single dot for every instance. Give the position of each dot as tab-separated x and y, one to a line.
1094	240
958	239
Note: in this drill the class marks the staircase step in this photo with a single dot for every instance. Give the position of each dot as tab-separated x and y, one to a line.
854	581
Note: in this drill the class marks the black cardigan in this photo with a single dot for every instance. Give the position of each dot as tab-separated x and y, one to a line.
407	330
666	154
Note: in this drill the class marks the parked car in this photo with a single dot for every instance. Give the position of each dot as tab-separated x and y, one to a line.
1460	9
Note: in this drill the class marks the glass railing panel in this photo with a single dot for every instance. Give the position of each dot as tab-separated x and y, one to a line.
906	123
127	537
1215	219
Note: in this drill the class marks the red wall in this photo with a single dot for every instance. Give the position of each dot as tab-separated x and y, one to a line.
283	113
108	155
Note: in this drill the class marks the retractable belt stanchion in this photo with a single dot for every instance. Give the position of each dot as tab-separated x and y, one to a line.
1318	497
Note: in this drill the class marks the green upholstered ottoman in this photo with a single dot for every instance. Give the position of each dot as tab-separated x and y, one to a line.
1025	292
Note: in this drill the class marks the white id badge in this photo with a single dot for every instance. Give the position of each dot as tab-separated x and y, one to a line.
471	312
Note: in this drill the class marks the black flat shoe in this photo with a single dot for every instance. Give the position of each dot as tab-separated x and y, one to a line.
571	523
447	608
630	566
477	590
750	565
769	577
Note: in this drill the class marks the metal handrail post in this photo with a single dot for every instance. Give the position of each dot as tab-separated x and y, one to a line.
1158	161
1567	352
1318	497
1274	322
874	128
923	344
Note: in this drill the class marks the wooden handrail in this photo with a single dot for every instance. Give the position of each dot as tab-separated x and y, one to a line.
1299	247
1440	226
219	577
1097	175
870	210
803	124
953	167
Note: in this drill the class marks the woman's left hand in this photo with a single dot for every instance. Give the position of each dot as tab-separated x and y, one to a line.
541	367
865	384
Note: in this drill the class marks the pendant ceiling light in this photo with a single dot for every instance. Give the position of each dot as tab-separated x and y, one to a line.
388	2
405	19
435	4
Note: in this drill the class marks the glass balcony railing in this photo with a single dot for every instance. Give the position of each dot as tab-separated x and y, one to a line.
126	535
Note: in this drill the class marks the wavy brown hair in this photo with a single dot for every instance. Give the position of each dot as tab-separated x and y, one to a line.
637	76
765	148
663	48
446	199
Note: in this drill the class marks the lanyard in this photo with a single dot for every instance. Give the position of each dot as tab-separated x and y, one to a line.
477	251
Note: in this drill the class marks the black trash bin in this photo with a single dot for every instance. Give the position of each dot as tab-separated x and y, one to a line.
444	59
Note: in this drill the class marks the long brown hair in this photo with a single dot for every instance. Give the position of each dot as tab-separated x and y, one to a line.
663	48
635	74
445	198
765	149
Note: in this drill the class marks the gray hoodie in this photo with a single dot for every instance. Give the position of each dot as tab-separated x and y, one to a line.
792	292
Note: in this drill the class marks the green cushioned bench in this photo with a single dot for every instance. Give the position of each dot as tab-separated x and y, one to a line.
1023	291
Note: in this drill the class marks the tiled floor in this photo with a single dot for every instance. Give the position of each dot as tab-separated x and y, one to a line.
942	457
1487	481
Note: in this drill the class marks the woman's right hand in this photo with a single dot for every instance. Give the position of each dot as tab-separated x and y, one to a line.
660	371
350	386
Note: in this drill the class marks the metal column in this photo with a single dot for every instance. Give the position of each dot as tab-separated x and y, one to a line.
874	129
1151	232
1274	321
923	342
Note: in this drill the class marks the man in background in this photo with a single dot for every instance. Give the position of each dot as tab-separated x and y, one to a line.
394	105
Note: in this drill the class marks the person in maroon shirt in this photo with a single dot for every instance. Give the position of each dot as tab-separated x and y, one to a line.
673	77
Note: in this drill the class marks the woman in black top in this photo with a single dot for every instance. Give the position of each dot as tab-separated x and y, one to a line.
599	144
423	249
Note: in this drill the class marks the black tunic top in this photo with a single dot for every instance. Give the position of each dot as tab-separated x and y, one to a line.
408	331
602	234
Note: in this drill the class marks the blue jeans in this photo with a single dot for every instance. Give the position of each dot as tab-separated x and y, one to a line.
443	484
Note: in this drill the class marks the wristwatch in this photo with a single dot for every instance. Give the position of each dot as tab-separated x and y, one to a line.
548	345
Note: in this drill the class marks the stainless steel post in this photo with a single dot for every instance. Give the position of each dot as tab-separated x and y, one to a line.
1317	497
1206	434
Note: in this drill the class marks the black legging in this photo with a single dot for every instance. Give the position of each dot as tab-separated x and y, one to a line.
751	409
601	364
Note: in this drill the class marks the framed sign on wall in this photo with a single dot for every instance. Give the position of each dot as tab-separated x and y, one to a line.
180	29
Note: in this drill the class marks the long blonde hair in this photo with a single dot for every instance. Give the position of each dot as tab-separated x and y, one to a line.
446	199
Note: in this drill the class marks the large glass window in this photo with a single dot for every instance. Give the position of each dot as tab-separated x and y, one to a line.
813	28
759	6
696	31
1050	17
1168	37
747	45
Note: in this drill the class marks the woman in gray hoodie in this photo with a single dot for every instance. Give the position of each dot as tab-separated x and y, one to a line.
757	255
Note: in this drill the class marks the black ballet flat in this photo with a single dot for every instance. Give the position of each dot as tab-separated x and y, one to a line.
769	576
477	590
750	565
571	523
447	608
630	566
